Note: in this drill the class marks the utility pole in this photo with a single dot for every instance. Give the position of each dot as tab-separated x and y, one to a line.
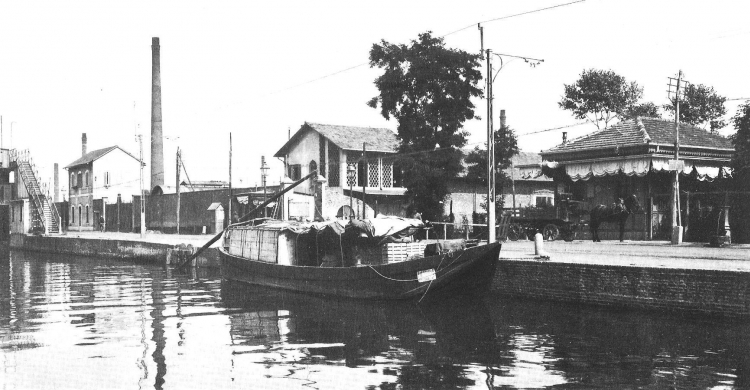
230	178
676	220
490	157
143	198
177	178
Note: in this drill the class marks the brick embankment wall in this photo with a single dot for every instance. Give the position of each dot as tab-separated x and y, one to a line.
108	248
688	290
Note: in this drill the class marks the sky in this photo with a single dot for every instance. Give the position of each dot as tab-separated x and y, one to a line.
259	70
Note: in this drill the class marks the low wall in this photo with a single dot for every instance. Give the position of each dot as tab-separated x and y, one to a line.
698	291
109	248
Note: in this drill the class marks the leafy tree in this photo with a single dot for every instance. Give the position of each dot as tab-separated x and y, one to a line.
427	88
600	96
506	146
700	105
741	139
642	109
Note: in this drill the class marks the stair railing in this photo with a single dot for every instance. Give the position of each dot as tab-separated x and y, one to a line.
25	170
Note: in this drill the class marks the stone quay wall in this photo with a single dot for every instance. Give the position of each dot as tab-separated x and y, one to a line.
157	253
713	292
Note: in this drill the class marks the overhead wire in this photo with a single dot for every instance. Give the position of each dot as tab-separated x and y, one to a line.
443	36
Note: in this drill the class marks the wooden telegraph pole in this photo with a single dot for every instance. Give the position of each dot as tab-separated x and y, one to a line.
178	190
230	179
490	157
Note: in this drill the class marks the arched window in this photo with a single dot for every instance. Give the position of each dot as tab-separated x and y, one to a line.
313	166
86	179
79	179
72	179
80	214
87	211
72	214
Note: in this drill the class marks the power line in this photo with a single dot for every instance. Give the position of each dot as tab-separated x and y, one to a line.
365	63
512	16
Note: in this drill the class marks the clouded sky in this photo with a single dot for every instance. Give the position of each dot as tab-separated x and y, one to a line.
258	69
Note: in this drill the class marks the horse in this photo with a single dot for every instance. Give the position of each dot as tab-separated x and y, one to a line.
618	212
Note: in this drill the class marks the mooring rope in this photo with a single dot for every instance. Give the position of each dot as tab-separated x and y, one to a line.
389	278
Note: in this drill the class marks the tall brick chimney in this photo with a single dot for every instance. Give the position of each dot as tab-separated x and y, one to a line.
83	144
502	118
157	142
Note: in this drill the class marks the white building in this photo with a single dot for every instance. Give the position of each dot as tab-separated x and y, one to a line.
103	173
331	149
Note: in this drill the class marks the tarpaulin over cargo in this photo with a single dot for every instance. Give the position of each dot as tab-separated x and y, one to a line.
381	227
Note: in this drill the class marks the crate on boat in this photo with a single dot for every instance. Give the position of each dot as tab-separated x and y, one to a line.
394	252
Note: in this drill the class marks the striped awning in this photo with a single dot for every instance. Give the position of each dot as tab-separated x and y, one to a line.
632	167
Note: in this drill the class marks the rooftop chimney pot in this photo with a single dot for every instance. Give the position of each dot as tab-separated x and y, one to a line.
565	137
83	144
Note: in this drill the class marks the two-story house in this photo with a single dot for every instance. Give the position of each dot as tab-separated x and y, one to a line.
352	160
103	173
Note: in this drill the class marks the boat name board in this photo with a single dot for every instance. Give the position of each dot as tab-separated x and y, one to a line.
426	275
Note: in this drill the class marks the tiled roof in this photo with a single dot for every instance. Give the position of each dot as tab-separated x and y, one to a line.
348	137
95	155
645	130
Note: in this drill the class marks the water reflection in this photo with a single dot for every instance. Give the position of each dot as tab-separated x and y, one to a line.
70	322
391	344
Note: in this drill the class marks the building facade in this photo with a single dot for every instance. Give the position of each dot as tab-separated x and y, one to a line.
109	174
351	162
633	157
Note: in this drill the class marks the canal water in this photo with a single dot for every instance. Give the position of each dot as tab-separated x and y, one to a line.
80	323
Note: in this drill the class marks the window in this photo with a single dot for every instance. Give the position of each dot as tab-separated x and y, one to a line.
86	179
295	172
12	214
20	213
322	155
72	179
543	201
80	214
87	213
79	179
334	156
106	179
313	166
72	214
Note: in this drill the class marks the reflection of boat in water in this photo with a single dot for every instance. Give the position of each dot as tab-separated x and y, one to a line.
370	259
358	332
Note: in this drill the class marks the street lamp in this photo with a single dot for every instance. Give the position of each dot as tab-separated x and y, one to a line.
263	174
351	171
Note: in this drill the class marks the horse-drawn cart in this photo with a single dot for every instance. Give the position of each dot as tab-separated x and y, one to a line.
553	222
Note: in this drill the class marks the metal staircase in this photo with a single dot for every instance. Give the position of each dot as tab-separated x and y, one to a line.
45	218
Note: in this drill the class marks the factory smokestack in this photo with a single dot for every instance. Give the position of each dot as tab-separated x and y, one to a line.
83	144
502	118
157	143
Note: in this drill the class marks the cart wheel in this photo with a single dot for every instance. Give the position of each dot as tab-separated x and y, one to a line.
551	232
515	232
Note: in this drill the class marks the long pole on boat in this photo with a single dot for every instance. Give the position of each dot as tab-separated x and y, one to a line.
247	216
